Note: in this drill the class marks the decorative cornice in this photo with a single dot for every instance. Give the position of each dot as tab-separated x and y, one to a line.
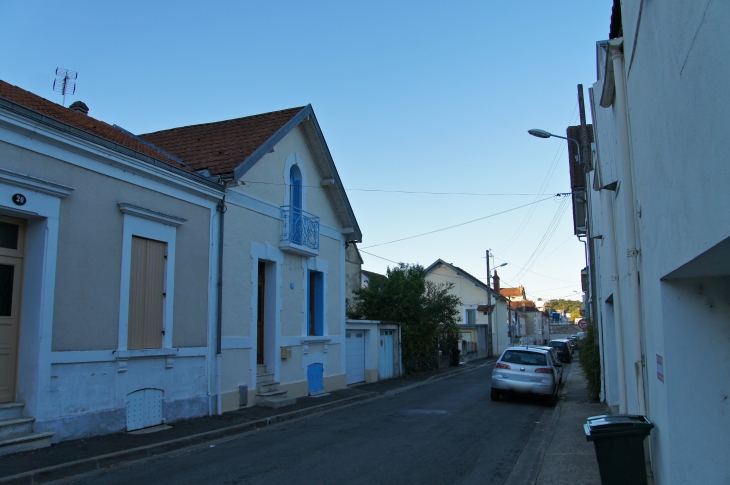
32	183
151	215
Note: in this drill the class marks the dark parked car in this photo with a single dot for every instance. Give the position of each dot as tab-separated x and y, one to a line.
562	347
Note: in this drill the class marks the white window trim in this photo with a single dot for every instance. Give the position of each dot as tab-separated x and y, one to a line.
140	222
476	314
294	159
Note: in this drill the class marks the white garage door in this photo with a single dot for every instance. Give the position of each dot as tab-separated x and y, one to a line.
355	356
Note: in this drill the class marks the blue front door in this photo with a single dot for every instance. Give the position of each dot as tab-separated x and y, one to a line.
314	377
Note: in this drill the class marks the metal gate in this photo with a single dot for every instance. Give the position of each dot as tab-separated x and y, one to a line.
355	357
385	369
144	408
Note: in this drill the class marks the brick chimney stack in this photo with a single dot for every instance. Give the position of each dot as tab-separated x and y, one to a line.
495	280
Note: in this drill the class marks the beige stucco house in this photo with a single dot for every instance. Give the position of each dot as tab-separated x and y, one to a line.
483	311
107	247
286	228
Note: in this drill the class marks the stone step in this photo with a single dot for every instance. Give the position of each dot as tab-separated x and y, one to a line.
263	378
260	369
263	387
15	427
262	397
31	441
278	402
9	410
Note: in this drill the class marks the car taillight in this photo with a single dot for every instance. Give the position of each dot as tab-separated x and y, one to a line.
544	370
502	366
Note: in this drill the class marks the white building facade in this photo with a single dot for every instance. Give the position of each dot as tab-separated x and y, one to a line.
656	201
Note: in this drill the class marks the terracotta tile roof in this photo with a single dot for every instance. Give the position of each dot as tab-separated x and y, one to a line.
83	122
512	291
523	305
222	146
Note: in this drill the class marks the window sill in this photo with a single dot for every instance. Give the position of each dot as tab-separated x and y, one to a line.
306	342
123	357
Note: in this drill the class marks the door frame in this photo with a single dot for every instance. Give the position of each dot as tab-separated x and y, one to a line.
14	257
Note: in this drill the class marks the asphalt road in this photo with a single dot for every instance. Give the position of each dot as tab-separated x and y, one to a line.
448	431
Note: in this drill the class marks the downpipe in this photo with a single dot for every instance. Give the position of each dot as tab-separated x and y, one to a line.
627	193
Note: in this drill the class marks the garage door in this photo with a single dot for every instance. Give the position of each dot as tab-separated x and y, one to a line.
355	356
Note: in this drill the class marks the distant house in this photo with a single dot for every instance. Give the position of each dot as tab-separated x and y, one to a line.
483	310
368	276
353	271
514	294
536	328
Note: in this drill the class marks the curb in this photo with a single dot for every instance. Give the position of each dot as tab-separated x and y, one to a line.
95	463
530	475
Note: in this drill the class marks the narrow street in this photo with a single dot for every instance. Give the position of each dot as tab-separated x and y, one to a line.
448	431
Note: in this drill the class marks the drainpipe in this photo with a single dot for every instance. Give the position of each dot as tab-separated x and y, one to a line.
627	193
610	239
219	313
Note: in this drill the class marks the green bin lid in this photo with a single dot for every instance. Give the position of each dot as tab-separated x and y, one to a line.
613	423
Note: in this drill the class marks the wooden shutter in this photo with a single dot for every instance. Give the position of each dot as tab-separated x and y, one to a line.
146	294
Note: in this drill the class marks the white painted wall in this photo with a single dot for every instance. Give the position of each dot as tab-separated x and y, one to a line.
253	226
675	72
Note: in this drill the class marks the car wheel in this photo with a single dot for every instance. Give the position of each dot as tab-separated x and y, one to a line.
551	401
494	395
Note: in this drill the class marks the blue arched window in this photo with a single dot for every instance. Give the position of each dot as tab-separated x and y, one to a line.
295	200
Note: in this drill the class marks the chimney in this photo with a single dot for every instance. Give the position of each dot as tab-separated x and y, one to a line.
79	107
495	279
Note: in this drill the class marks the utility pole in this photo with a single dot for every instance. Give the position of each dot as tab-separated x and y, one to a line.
490	351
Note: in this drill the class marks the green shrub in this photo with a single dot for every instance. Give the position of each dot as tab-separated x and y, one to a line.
590	361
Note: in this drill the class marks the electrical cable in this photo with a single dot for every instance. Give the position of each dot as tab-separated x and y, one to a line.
543	187
411	192
467	222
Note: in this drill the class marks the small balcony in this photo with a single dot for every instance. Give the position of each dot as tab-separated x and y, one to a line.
301	232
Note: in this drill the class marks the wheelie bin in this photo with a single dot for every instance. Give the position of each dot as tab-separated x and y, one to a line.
619	444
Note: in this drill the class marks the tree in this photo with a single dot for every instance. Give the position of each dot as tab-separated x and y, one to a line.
569	306
428	313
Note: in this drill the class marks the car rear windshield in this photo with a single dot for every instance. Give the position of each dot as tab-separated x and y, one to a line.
557	345
524	358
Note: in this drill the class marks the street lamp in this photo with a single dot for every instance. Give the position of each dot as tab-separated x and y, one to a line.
546	134
503	264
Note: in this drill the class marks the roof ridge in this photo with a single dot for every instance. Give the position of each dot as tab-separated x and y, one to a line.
251	117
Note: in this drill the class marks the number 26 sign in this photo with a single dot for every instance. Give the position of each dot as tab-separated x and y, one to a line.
19	199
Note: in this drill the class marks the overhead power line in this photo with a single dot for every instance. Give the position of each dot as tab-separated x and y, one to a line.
465	223
414	192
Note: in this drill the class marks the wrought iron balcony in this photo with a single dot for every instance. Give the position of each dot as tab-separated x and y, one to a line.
301	231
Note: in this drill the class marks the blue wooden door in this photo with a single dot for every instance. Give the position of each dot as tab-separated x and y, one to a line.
314	378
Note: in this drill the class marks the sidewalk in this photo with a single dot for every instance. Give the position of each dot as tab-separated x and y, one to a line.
75	457
557	451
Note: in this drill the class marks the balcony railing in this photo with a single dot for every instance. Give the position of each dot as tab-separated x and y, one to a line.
301	231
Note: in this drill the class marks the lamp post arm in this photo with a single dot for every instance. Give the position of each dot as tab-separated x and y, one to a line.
574	141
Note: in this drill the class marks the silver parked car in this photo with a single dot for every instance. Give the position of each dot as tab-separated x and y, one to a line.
528	371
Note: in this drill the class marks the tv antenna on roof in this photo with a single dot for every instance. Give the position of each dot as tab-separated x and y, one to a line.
65	83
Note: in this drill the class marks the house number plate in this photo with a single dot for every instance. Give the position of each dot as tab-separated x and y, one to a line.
19	199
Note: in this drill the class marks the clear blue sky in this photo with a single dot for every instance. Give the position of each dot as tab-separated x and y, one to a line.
412	96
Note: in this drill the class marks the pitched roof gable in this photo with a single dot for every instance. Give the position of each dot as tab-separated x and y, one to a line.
436	264
222	146
234	146
85	123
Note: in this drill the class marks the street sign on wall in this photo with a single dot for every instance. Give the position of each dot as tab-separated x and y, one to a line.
583	324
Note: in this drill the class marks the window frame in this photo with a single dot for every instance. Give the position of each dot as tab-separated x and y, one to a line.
159	227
